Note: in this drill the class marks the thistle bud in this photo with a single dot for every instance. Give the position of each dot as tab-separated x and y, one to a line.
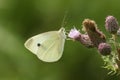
104	49
82	38
111	24
94	34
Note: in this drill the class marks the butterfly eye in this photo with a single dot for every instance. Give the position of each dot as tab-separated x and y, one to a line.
38	44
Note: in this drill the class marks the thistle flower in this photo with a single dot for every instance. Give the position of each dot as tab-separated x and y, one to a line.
104	49
94	34
111	24
82	38
74	34
85	40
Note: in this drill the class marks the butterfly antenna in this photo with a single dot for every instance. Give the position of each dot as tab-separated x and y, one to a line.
63	21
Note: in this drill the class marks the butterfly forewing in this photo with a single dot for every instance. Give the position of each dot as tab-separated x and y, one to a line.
32	43
51	50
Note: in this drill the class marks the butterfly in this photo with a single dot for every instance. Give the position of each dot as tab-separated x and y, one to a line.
48	46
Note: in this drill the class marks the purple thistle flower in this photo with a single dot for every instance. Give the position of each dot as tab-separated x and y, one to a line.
111	24
82	38
104	49
85	40
74	34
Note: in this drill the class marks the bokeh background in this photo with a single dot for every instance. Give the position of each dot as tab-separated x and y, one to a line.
21	19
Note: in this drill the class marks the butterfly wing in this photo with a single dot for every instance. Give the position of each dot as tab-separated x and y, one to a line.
51	45
51	50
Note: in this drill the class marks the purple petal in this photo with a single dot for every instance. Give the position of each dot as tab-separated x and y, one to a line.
74	33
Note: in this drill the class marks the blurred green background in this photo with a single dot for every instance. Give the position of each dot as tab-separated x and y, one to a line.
21	19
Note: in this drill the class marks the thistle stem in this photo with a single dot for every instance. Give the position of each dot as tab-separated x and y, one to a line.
116	52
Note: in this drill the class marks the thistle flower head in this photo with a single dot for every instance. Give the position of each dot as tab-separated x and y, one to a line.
94	34
111	24
85	40
104	49
82	38
74	33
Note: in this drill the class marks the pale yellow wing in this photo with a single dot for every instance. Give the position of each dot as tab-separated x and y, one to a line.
51	50
47	46
32	43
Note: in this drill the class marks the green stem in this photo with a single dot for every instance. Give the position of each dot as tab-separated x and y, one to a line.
114	36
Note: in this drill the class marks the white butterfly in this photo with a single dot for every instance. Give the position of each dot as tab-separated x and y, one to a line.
47	46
